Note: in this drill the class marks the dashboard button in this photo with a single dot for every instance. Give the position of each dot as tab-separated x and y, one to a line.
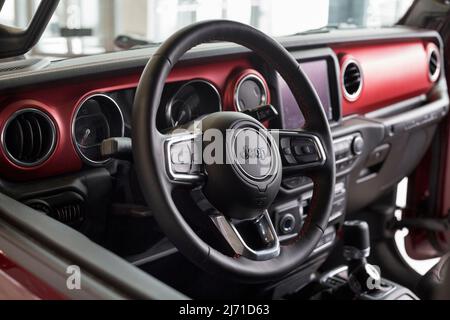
358	145
379	155
287	224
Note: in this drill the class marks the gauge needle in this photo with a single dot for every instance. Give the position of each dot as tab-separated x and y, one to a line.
180	118
87	133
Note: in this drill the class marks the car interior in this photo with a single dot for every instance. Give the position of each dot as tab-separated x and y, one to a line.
94	172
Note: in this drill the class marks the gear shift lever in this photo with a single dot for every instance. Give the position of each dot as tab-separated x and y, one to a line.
359	280
356	240
362	275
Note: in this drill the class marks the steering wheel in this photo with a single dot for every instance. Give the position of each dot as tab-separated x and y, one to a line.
237	192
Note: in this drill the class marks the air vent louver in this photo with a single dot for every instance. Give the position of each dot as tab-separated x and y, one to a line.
353	81
29	137
71	215
434	65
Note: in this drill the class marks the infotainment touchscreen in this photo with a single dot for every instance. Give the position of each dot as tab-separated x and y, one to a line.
317	72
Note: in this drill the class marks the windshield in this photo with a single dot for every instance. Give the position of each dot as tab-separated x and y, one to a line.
84	27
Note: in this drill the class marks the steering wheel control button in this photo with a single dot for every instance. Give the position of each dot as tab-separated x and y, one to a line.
305	150
288	154
300	150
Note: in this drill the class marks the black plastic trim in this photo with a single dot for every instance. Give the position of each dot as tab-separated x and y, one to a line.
397	108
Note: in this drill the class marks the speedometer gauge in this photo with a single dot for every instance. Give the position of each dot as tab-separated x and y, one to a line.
191	101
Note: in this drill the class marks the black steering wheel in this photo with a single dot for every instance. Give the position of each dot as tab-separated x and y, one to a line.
238	193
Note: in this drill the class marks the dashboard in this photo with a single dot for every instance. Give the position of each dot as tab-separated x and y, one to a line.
383	92
83	114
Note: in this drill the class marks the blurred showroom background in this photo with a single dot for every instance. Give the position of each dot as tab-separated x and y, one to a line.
83	27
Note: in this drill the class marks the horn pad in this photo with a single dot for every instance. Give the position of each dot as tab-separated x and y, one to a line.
244	181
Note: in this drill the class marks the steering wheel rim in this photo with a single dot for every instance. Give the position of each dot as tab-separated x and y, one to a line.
152	173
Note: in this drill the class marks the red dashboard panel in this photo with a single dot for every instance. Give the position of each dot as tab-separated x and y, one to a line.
392	72
60	100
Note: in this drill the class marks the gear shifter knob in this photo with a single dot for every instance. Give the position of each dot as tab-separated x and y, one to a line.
356	252
356	240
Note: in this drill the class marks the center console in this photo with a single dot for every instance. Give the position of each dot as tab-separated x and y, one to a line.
322	68
290	216
357	280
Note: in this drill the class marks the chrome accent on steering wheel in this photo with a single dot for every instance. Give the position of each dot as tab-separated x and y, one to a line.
240	246
175	176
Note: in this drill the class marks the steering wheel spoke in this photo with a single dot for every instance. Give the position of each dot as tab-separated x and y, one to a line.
183	158
302	152
253	239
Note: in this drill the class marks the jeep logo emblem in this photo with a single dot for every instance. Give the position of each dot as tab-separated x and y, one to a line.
253	153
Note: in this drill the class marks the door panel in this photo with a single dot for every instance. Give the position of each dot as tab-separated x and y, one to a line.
429	198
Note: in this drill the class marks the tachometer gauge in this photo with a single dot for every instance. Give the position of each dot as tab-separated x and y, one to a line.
98	118
191	101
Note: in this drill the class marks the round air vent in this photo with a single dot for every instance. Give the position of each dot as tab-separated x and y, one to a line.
29	138
434	63
352	80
